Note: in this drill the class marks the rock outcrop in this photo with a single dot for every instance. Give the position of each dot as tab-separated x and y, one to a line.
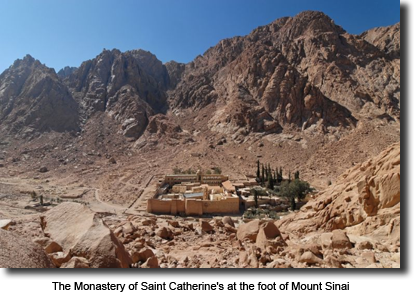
364	201
387	39
66	71
17	252
78	230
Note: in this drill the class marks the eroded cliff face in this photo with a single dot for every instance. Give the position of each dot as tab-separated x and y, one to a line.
33	99
127	86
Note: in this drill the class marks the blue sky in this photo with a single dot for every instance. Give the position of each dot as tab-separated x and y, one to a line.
67	32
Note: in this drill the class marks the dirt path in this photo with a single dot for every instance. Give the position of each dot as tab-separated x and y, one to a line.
107	206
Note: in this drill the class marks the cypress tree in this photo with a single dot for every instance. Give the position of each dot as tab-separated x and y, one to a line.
263	174
257	170
270	184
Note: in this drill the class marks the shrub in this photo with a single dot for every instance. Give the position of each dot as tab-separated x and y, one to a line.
295	189
217	170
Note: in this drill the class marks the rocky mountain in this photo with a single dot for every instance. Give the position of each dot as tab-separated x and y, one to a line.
304	70
66	71
34	99
127	86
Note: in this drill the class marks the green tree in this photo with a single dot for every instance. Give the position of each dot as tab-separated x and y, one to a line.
263	174
297	175
257	170
279	175
270	183
256	198
217	170
295	189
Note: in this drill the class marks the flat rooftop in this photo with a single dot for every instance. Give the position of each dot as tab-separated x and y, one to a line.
192	195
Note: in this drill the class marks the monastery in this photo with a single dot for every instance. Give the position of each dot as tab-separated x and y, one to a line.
197	194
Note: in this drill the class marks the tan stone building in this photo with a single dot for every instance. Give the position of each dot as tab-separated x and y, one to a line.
209	179
195	194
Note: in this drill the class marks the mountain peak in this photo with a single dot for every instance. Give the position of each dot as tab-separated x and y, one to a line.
312	22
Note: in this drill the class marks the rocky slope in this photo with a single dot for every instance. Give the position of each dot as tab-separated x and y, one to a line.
34	99
303	70
126	86
365	201
387	39
17	252
66	71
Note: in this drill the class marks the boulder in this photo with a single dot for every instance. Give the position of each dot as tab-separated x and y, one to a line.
76	262
271	230
17	252
206	227
59	258
151	262
128	228
230	229
261	239
43	169
248	231
228	220
325	240
364	245
52	247
174	224
369	257
340	240
309	258
5	224
142	255
75	227
165	233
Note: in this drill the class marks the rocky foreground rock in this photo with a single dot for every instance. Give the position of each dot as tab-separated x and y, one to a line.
77	231
17	252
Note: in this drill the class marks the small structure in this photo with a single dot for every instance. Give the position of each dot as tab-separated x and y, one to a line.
228	187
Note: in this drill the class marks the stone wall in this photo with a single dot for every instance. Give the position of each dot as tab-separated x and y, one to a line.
193	207
229	205
165	206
